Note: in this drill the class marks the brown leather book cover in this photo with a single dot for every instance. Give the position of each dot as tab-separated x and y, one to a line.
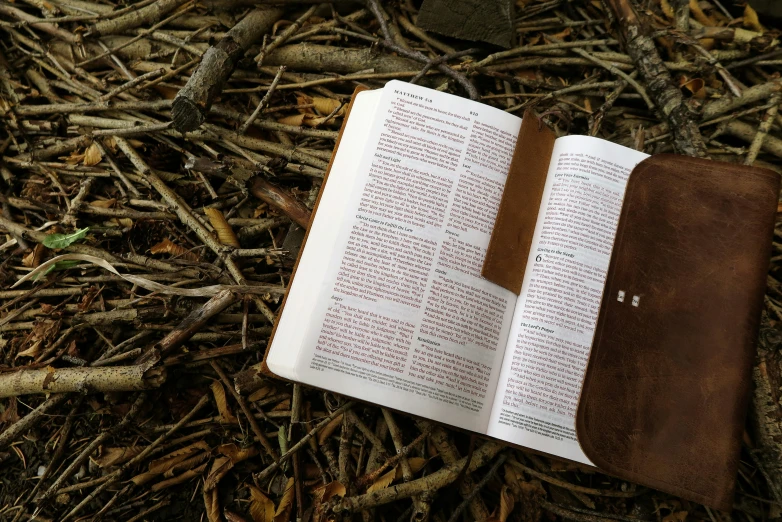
667	384
264	369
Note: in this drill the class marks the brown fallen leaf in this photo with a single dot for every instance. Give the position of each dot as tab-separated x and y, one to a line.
260	394
283	405
329	428
184	477
32	351
33	258
751	19
326	106
164	464
186	464
92	156
416	464
695	86
49	377
383	481
699	15
310	120
676	516
212	504
261	507
114	456
169	247
283	513
10	414
220	468
322	495
230	516
329	491
667	10
237	454
506	503
222	403
224	231
103	203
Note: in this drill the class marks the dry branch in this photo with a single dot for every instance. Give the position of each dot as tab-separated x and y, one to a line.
192	103
51	380
280	199
434	481
687	138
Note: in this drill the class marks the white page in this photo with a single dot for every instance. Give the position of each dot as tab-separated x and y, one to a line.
402	317
556	312
323	234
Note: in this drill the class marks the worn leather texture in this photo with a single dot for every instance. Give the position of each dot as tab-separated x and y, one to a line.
668	380
511	239
264	368
476	20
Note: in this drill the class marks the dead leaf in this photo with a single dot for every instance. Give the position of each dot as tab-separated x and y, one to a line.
667	9
186	464
236	454
92	155
384	481
506	503
329	491
184	477
123	222
220	467
224	231
751	19
10	414
260	394
49	377
261	507
103	203
283	405
222	403
329	428
33	351
283	513
699	15
322	495
695	86
33	258
212	503
416	465
309	120
563	34
164	464
43	333
73	159
230	516
326	106
169	247
115	456
676	516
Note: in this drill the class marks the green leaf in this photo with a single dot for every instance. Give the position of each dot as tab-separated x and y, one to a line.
59	265
64	240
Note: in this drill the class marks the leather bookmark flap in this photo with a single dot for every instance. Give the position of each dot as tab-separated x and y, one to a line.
511	239
667	384
264	369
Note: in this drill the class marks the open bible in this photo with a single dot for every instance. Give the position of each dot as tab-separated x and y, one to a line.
459	267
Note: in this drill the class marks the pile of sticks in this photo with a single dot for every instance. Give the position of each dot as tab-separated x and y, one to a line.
158	165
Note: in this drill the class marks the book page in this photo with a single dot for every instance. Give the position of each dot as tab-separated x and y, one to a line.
556	313
402	316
